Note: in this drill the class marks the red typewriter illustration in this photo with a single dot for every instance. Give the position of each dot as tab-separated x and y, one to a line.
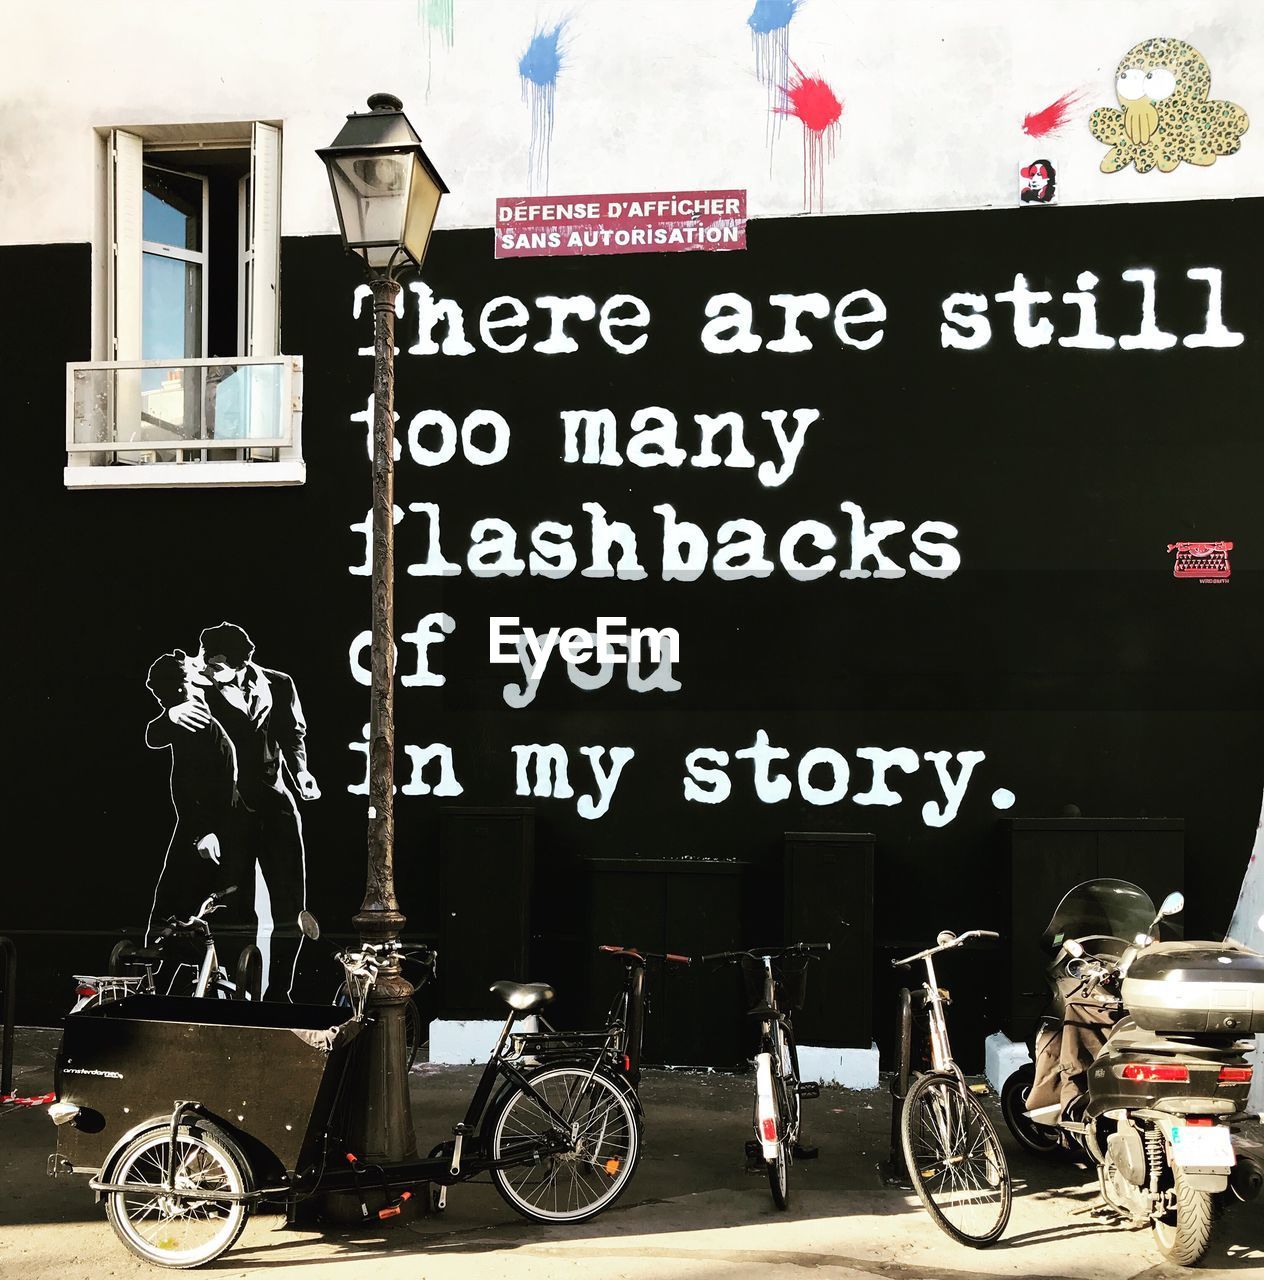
1205	561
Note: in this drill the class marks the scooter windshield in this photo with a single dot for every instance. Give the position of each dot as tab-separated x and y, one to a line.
1101	909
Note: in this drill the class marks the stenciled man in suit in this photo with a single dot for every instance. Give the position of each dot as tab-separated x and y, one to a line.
260	712
203	856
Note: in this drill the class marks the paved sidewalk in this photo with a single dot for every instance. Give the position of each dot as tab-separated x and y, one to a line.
692	1212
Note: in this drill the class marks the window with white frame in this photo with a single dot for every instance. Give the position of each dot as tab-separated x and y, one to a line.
193	389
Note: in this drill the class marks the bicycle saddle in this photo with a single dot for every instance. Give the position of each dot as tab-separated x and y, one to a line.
523	997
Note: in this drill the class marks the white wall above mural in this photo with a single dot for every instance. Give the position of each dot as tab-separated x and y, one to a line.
835	106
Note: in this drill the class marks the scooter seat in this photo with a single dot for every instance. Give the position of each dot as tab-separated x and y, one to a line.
523	997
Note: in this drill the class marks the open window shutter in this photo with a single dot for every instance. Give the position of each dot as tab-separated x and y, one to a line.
127	160
126	178
263	316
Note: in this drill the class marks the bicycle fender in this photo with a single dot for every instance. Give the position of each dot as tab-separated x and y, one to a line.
765	1107
222	1130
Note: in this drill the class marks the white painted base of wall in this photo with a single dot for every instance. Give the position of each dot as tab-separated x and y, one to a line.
852	1068
454	1043
1001	1058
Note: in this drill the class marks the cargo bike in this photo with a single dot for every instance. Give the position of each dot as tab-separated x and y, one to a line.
188	1114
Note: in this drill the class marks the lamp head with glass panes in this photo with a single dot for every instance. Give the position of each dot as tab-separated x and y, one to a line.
385	188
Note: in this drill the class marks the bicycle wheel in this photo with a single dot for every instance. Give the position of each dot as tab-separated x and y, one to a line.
785	1093
955	1160
248	975
789	1057
184	1232
569	1186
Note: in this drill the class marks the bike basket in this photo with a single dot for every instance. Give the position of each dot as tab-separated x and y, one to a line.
753	980
791	974
792	981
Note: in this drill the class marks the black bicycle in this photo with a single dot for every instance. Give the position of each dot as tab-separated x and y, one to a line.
776	984
560	1138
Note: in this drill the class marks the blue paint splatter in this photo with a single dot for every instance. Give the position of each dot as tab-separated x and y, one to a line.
769	24
538	69
771	15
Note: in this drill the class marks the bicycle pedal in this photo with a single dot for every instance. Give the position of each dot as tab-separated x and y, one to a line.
754	1151
805	1153
809	1089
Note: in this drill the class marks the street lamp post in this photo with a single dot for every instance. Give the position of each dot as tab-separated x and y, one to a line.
387	194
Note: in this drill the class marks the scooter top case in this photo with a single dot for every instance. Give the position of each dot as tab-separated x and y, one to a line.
1184	1076
1196	988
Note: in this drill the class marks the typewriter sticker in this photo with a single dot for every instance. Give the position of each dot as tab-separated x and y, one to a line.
1204	561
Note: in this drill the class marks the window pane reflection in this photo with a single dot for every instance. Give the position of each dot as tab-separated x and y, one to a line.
172	209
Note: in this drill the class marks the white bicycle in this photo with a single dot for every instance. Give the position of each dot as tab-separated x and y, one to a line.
183	944
776	983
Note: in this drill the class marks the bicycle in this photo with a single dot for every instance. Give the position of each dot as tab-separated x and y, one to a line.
951	1148
777	991
183	943
561	1139
618	1044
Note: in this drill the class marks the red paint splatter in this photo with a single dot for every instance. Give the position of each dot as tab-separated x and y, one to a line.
811	100
1040	124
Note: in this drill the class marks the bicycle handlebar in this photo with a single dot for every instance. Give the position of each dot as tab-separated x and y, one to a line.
810	949
945	946
633	954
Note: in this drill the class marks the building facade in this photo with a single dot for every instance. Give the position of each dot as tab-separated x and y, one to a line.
926	511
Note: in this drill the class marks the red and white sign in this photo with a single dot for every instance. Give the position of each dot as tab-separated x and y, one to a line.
646	222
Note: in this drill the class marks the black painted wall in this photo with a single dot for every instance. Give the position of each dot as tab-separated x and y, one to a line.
1062	648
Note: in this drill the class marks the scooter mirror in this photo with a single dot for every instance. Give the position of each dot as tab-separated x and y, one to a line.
944	938
1173	905
309	925
1073	948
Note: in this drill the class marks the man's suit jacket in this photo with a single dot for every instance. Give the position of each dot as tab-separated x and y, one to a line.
269	732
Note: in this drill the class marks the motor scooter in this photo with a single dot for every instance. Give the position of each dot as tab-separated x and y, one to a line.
1141	1064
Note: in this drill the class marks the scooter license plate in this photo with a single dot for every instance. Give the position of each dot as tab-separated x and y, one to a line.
1202	1147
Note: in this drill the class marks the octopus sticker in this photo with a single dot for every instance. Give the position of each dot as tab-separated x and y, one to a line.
1164	114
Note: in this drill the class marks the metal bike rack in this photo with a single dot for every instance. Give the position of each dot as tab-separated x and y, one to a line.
10	987
895	1170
